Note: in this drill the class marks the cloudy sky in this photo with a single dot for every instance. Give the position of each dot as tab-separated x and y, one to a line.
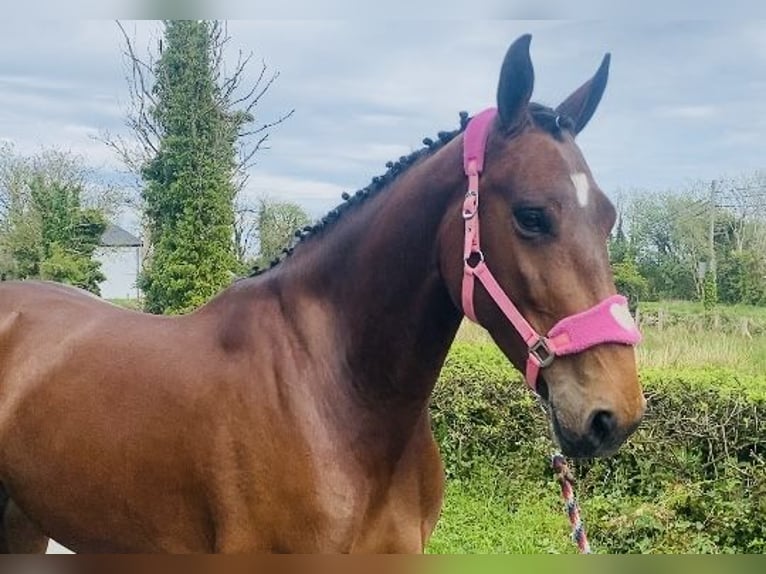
685	101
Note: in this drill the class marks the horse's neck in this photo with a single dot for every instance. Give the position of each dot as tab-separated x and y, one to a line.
378	270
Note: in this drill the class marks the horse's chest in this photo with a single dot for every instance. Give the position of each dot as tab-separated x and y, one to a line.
338	511
384	512
321	492
369	515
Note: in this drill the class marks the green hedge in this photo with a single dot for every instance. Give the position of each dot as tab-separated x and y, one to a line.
692	479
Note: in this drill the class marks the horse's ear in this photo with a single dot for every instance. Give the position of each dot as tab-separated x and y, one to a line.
517	78
584	100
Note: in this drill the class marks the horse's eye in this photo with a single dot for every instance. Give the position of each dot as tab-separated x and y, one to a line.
531	221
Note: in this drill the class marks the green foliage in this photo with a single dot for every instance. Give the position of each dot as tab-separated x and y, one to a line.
627	277
709	292
46	232
470	409
630	282
692	479
667	236
66	266
277	222
189	189
620	248
742	279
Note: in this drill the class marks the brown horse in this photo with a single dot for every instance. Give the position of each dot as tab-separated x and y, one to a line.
290	413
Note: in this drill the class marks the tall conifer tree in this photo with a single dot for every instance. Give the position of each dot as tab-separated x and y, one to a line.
189	190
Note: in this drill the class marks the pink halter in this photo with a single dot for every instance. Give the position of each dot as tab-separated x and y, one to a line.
607	322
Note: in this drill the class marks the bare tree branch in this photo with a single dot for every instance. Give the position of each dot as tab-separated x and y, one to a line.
237	97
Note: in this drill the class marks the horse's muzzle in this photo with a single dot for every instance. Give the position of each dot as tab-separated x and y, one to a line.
602	436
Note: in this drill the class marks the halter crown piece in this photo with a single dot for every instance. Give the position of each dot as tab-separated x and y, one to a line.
606	322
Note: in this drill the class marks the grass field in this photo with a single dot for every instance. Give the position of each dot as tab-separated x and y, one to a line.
696	308
492	514
127	303
676	347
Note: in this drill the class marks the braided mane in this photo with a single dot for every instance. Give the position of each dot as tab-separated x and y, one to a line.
541	116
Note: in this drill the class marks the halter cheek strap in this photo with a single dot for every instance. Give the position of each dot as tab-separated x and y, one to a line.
606	322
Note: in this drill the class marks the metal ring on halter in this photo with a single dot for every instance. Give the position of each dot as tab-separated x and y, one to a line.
558	122
467	260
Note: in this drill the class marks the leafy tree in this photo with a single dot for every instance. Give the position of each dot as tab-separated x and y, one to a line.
277	223
620	248
630	282
627	277
46	229
182	98
748	278
741	239
189	190
667	237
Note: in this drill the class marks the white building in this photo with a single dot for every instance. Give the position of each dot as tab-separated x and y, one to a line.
120	257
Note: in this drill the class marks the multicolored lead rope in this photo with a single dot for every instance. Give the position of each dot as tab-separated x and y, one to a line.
566	480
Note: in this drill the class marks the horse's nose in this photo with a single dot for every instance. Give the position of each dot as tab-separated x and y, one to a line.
603	424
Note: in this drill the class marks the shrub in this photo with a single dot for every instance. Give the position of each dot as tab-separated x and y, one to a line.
692	478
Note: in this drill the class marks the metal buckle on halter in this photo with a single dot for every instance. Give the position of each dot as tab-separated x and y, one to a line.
468	213
547	356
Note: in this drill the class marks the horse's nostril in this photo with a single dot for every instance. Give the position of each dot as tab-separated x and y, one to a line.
603	424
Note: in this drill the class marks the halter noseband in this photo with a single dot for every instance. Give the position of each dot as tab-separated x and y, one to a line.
606	322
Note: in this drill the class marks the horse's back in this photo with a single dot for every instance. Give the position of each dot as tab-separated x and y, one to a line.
15	293
46	306
36	321
46	326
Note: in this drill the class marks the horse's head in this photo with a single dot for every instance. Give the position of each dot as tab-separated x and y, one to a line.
544	227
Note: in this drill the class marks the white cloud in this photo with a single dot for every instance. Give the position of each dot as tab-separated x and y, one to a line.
688	112
76	138
316	196
366	91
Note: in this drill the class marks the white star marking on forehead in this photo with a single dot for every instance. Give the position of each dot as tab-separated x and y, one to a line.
582	187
